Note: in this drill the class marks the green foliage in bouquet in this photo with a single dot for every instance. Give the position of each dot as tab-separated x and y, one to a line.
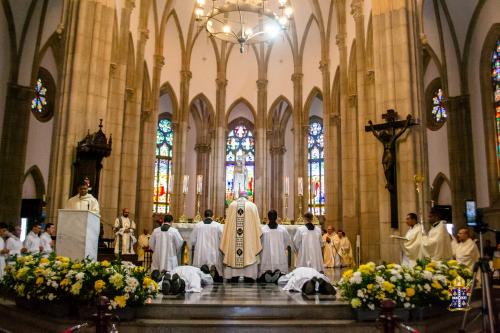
59	278
426	283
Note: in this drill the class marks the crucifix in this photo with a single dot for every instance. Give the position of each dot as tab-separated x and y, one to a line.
388	133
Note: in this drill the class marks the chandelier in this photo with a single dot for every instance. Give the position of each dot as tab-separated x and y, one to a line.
244	22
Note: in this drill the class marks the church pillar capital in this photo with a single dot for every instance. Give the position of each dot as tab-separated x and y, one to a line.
353	101
221	83
130	4
202	147
340	40
144	34
159	60
357	9
277	150
129	94
370	75
262	84
324	66
186	75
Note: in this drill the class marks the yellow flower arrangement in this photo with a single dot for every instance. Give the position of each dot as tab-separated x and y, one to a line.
436	285
389	287
39	280
347	274
121	301
105	263
410	292
44	260
99	285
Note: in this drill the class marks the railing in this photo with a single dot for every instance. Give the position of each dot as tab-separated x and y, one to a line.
390	322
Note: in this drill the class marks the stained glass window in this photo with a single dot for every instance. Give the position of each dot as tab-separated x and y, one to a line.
163	165
438	108
240	150
495	80
315	163
39	102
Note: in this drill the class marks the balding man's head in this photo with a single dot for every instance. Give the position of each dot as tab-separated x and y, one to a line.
463	234
330	229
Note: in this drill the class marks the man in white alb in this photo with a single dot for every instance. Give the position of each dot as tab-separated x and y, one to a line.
124	229
83	200
275	242
3	251
241	240
205	239
14	244
411	243
307	280
308	243
465	249
165	242
46	240
32	243
437	244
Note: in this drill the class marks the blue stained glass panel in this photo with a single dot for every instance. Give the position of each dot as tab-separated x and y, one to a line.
163	166
316	173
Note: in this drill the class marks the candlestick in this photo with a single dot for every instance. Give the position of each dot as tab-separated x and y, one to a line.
197	218
199	184
300	187
185	184
183	218
285	218
287	186
300	219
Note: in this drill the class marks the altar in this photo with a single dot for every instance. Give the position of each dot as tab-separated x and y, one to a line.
185	229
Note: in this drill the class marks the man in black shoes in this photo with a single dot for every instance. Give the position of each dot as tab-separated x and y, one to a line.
307	280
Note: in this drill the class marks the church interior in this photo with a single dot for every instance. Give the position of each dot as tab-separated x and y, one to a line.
359	111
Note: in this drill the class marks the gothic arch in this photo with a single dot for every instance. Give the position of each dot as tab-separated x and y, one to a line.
166	88
315	92
35	172
488	104
245	102
203	116
438	182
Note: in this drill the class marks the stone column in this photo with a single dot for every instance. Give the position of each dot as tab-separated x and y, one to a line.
276	179
180	125
218	161
397	87
300	155
84	89
203	168
147	153
460	148
13	150
261	195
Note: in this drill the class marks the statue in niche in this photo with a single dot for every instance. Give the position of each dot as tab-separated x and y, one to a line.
240	175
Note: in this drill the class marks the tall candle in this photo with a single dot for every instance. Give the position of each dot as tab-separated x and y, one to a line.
300	187
199	184
170	184
287	186
185	184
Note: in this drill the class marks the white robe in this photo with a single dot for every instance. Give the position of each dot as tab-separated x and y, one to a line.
45	241
32	242
2	258
165	246
308	244
206	241
127	240
274	249
14	245
295	280
412	245
466	252
193	277
87	202
437	244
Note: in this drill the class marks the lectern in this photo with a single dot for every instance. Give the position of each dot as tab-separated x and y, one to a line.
77	234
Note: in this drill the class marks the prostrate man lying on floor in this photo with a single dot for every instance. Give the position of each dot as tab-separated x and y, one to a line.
307	280
275	241
182	279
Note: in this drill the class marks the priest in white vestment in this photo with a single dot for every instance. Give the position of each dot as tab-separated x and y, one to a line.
295	280
411	243
3	251
331	257
124	229
240	242
465	249
142	244
46	240
205	239
308	243
166	243
83	200
14	244
345	250
32	243
194	278
275	242
437	244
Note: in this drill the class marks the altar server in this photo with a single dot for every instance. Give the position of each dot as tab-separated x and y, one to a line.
205	239
308	243
165	242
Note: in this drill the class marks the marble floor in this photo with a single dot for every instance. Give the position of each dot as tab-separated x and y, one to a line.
250	294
